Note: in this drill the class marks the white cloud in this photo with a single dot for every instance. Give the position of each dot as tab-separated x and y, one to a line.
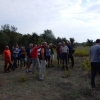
66	18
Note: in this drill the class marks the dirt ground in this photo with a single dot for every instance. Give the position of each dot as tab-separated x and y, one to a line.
56	85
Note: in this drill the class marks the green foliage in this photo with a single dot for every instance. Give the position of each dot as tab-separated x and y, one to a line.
86	65
89	42
82	51
4	40
37	73
72	41
48	36
22	78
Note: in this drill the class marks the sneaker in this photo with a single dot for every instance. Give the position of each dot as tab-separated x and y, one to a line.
40	79
29	70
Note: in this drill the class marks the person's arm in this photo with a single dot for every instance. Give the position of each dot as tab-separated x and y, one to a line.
38	47
42	53
15	51
67	50
61	49
90	54
54	46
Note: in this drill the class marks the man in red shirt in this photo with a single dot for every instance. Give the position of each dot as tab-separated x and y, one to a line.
7	59
58	54
35	59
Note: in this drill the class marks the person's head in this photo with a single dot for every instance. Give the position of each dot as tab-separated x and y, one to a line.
69	43
50	45
98	41
22	48
7	47
63	43
35	45
31	45
16	46
47	46
59	44
38	45
44	44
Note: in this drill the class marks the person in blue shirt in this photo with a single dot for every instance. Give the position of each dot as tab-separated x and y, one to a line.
95	61
15	56
48	55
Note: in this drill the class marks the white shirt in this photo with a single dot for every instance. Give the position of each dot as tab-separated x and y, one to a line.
64	49
39	51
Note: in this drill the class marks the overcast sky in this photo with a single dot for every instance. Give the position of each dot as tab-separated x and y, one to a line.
79	19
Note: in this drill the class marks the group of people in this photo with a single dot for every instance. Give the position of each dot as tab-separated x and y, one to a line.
39	56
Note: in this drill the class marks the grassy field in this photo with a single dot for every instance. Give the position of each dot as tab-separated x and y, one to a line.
56	85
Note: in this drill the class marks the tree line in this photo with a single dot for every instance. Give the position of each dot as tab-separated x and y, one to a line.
9	36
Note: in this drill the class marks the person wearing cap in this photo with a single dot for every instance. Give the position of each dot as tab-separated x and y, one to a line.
94	54
7	59
58	54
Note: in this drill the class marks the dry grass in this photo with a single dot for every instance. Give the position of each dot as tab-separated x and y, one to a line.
54	86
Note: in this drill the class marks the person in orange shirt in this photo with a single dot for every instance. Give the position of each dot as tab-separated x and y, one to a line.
7	59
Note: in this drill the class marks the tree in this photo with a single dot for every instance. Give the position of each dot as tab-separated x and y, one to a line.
65	40
34	38
58	40
72	41
4	40
48	36
89	42
25	40
8	28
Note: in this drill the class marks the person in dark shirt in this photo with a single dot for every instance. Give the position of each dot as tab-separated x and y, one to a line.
28	56
22	56
42	61
70	55
58	54
51	46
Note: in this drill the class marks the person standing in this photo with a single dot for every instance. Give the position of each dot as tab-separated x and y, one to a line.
58	54
48	55
22	57
28	57
70	55
7	59
35	59
15	56
64	53
51	46
95	61
42	61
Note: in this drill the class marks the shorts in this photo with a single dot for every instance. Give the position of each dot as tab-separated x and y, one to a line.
22	60
8	61
48	58
59	57
29	61
52	57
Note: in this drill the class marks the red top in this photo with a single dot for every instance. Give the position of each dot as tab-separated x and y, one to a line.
34	52
58	49
7	54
